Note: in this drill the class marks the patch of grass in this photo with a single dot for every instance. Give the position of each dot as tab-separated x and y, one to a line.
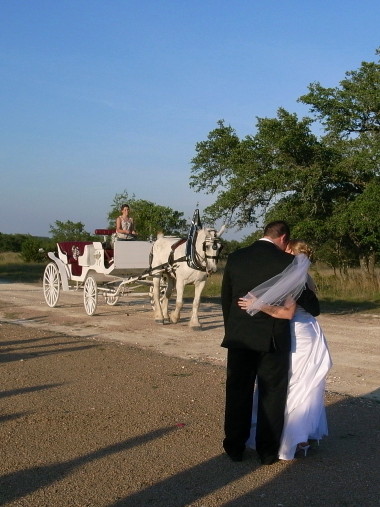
352	292
213	284
14	269
212	287
10	257
349	292
344	306
21	272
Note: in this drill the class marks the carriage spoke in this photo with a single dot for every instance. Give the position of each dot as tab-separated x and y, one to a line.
51	284
90	295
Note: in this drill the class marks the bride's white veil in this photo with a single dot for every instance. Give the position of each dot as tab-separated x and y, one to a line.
287	284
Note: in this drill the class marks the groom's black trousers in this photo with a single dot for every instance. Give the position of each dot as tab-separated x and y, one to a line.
271	370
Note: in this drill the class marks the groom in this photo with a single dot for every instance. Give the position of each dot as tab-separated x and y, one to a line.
258	346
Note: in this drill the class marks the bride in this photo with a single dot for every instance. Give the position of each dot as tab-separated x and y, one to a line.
305	415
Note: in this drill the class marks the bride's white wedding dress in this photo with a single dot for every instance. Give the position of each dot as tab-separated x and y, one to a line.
305	415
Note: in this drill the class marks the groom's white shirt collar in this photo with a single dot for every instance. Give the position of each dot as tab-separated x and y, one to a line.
266	239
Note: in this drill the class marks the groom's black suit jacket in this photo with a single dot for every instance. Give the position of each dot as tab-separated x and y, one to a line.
245	269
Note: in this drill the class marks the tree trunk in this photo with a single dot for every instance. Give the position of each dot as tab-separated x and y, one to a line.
367	264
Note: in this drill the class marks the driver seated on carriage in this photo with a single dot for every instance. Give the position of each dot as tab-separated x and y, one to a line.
125	226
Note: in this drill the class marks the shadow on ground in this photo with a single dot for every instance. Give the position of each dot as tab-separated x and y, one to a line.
342	471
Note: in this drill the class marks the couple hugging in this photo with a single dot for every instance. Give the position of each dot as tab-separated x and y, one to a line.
277	357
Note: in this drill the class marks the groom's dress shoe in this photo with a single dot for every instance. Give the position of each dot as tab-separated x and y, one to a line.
268	460
232	453
238	456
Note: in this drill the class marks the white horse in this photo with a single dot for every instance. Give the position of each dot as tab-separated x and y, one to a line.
166	255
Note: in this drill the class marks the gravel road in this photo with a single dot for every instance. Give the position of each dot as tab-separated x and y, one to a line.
353	338
113	410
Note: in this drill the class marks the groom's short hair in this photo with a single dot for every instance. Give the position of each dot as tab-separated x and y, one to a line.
276	229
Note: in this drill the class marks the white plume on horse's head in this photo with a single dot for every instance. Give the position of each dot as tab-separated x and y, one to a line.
221	230
216	233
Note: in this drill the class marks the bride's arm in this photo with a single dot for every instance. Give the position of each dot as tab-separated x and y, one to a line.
279	312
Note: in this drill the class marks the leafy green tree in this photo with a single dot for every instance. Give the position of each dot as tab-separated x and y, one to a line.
283	160
350	115
229	246
359	223
353	106
285	171
149	218
69	231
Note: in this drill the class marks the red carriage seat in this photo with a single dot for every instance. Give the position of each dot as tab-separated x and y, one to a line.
73	250
105	232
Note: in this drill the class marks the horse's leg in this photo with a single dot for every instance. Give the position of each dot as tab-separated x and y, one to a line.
158	315
166	297
198	288
176	314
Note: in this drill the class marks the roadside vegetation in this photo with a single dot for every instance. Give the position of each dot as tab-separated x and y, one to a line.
348	292
14	269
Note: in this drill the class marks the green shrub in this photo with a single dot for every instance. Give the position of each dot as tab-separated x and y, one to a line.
30	250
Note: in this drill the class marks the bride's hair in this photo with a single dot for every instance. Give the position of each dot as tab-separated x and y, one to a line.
299	246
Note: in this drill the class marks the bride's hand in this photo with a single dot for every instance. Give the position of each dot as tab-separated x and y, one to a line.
246	302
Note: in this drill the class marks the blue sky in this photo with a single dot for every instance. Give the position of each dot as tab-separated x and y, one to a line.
102	96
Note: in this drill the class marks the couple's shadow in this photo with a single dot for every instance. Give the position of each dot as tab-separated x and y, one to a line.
344	470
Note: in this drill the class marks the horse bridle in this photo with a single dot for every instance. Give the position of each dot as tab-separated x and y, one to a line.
194	260
216	246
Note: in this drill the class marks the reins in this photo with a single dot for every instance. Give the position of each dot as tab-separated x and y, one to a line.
192	256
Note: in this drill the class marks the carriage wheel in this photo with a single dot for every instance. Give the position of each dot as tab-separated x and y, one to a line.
111	300
163	287
90	295
51	284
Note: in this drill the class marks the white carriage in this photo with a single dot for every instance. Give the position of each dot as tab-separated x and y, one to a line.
97	268
164	265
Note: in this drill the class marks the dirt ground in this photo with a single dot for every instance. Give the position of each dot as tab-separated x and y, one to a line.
353	338
116	411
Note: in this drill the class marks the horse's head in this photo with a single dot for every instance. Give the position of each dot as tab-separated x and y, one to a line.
208	241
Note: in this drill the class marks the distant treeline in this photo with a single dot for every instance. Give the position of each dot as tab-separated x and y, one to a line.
26	245
13	242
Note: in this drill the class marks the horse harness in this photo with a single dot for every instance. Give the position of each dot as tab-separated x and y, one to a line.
192	257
